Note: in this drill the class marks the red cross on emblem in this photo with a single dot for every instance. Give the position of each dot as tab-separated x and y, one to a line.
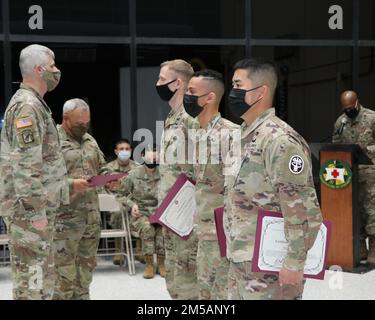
335	173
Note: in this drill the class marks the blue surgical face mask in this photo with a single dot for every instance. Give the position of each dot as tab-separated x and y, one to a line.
124	155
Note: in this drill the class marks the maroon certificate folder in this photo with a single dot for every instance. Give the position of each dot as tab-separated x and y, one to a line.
172	197
99	181
219	212
271	246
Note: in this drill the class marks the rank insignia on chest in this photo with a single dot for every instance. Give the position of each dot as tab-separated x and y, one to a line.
28	136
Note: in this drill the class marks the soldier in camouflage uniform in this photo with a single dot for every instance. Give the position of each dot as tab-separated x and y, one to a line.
205	90
123	164
273	174
33	176
359	128
180	255
78	225
140	191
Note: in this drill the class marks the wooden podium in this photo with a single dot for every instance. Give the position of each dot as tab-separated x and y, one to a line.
340	206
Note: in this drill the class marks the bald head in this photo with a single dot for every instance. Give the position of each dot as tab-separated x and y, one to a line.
348	99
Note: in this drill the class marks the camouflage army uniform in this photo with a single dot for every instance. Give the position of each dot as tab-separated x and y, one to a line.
180	255
78	226
273	174
33	185
114	167
361	131
212	269
141	189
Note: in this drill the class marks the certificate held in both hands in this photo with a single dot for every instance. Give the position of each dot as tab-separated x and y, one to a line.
176	212
271	247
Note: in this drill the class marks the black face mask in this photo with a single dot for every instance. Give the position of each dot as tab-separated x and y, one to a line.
151	165
237	104
352	113
164	92
191	105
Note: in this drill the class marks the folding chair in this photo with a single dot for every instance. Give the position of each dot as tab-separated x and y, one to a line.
108	203
4	240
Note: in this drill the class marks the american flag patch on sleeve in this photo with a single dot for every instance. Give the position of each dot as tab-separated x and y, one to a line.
24	122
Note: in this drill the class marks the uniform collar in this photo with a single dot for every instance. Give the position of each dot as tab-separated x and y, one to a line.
246	130
155	176
211	124
35	93
174	115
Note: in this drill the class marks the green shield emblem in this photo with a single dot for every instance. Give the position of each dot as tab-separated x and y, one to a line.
335	174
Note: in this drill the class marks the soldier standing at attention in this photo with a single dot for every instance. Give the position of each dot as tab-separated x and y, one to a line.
78	225
202	100
122	164
273	174
33	176
360	129
180	255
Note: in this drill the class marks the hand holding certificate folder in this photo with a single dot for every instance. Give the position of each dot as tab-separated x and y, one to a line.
271	247
99	181
176	212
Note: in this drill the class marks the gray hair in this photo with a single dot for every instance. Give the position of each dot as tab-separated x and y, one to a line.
32	56
74	104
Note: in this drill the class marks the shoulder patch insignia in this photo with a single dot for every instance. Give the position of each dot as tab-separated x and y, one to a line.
296	164
24	122
28	136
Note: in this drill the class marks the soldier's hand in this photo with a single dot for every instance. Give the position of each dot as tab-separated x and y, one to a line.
135	211
113	185
80	185
40	224
290	277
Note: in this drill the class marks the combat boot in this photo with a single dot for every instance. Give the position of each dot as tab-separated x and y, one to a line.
371	253
138	251
118	259
149	268
161	266
363	249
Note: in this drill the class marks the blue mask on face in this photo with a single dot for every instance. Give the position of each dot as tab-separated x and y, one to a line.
124	155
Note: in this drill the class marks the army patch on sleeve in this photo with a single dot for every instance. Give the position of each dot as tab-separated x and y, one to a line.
28	136
24	122
296	164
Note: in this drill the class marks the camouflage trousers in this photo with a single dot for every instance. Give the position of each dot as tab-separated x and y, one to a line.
31	253
76	243
366	183
151	236
115	220
246	285
212	271
181	266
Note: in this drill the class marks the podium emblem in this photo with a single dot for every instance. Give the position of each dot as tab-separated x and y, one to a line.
335	174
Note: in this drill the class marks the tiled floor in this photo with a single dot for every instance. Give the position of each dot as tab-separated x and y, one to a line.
112	283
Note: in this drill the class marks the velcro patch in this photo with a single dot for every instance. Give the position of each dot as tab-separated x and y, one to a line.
28	136
24	123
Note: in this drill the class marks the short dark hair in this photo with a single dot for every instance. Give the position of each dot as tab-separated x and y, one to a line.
260	71
123	140
210	74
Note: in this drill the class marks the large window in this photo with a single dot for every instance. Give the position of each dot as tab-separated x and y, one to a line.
299	19
194	19
70	17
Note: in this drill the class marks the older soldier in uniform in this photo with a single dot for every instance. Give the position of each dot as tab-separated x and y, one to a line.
77	231
140	191
181	278
357	125
273	174
122	164
205	90
33	176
